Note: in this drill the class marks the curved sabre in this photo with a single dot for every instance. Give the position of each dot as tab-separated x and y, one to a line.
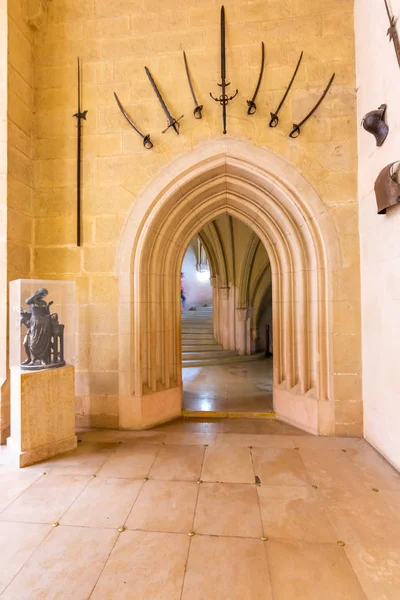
251	103
296	127
147	143
274	115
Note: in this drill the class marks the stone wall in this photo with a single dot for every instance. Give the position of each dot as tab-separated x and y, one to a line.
115	39
4	417
378	82
20	103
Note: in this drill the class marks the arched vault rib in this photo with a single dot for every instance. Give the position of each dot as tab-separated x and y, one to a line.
267	194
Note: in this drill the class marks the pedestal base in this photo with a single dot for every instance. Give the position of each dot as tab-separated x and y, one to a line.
42	414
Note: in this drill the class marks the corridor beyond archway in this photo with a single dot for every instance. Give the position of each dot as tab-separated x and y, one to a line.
226	351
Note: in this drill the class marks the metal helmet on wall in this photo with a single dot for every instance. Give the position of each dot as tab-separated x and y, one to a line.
387	187
374	122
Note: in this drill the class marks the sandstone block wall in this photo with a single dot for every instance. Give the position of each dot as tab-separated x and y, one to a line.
17	43
115	39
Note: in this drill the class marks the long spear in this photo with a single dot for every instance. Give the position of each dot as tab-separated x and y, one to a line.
79	116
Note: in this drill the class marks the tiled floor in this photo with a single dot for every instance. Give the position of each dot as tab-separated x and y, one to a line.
238	387
115	518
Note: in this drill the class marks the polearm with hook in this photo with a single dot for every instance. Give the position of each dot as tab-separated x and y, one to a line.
223	99
147	143
197	107
79	116
274	115
172	122
392	32
252	107
296	127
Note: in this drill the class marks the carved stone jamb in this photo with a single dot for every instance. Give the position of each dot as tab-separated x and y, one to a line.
224	291
35	12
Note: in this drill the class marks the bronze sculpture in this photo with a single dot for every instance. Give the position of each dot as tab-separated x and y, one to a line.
44	340
387	187
374	122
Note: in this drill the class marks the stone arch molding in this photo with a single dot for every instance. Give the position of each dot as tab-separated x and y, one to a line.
271	197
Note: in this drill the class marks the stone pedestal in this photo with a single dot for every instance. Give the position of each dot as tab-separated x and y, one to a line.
42	414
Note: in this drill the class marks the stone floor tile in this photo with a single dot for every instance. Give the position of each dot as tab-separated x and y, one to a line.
331	468
251	426
190	438
13	482
66	565
144	566
243	387
276	466
377	570
228	465
393	499
226	568
101	435
191	424
144	437
46	500
17	542
86	459
295	513
166	506
103	503
375	470
130	461
255	440
315	442
305	571
362	517
180	463
228	509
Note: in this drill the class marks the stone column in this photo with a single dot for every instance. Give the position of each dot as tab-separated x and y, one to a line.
241	330
224	321
213	281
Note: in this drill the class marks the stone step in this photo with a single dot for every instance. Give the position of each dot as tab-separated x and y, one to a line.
205	354
197	319
200	334
222	361
196	331
200	347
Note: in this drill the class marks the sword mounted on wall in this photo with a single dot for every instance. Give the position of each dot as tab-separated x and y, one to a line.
223	98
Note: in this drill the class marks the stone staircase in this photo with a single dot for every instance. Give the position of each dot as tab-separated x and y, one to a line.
199	348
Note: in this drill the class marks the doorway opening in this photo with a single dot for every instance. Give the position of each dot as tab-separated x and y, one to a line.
226	297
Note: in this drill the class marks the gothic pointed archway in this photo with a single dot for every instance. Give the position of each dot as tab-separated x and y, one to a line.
271	197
